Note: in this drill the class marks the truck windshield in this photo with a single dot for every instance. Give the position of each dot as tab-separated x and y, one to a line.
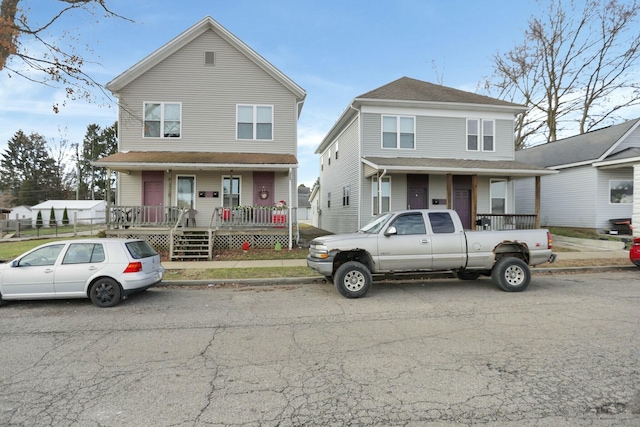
376	225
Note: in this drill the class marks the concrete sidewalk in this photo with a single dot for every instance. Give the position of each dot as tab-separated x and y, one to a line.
183	265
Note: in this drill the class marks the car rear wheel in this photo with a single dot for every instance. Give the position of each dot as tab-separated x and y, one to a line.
511	274
105	292
353	279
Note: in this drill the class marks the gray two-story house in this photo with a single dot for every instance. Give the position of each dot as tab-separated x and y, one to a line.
207	140
411	144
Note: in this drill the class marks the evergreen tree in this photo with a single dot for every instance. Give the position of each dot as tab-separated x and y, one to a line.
97	143
28	172
39	220
52	218
65	217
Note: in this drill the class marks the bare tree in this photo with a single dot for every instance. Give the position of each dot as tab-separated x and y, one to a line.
575	67
57	65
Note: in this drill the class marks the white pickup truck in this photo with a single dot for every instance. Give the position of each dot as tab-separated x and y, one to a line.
428	240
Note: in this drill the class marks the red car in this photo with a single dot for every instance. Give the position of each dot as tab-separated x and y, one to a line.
634	253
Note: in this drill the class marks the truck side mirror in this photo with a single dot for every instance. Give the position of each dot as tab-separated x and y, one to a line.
391	231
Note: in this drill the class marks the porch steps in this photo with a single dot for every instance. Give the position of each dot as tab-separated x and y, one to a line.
191	245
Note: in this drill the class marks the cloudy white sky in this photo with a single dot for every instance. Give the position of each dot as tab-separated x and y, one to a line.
334	49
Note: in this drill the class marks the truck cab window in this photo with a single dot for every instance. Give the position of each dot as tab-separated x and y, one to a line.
441	222
410	224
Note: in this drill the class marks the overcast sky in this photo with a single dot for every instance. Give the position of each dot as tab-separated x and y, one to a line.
334	49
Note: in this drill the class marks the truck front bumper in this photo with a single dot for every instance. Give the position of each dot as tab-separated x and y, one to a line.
321	266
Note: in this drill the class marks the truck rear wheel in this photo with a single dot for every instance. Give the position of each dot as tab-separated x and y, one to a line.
511	274
353	279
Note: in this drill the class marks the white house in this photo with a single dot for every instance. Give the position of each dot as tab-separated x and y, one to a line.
20	212
85	211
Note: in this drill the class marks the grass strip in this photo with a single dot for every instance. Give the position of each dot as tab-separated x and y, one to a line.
238	273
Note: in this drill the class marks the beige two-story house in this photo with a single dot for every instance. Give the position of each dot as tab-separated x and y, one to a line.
411	144
207	139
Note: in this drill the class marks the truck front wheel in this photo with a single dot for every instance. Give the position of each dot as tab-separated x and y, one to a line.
511	274
353	279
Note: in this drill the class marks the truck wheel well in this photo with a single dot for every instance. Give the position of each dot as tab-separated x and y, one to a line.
360	256
512	249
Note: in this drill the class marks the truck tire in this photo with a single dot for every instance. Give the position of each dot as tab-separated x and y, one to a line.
466	274
511	274
353	279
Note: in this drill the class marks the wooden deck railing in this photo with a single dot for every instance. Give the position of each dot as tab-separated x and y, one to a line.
126	216
252	216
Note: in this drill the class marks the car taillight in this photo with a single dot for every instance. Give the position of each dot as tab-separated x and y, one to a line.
133	267
636	241
549	240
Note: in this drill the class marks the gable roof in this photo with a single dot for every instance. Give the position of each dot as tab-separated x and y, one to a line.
588	147
408	92
205	24
408	89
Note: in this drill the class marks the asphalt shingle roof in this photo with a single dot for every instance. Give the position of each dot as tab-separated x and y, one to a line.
588	146
188	157
408	89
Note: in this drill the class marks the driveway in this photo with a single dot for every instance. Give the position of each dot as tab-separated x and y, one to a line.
566	352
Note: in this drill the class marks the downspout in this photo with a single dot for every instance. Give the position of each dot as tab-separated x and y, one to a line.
290	217
384	172
297	116
359	168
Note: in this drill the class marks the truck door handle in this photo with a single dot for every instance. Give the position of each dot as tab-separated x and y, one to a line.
425	241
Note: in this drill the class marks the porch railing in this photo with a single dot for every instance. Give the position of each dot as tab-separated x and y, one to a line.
505	221
126	216
252	216
120	216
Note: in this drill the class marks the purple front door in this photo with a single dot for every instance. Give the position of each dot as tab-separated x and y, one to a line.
417	191
462	205
153	195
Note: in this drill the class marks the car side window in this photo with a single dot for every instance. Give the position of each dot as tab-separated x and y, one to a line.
43	256
410	224
83	253
441	222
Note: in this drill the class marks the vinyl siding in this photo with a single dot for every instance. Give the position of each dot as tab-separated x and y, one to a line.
340	173
209	95
443	137
636	200
564	201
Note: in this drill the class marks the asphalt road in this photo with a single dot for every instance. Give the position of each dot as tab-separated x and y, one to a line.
439	353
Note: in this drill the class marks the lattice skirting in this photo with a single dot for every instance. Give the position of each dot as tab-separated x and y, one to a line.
161	243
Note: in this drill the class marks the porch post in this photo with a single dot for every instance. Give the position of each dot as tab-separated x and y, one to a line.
537	196
106	214
474	200
449	190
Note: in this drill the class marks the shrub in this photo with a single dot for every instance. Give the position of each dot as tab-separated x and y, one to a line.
39	220
52	218
65	217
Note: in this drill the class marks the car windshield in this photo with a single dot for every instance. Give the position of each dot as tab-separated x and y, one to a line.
376	225
140	249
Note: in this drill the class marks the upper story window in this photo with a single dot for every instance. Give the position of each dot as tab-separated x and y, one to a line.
346	192
255	122
336	150
162	119
480	135
329	156
398	132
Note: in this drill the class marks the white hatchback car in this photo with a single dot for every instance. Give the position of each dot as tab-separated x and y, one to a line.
105	270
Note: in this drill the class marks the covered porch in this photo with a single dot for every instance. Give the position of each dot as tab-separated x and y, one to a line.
184	193
479	190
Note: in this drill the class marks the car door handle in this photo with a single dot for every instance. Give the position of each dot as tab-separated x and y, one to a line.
48	270
92	268
425	241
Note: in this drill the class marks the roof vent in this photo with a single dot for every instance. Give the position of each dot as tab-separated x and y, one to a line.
209	58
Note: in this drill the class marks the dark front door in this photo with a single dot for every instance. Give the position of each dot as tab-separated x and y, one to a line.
153	196
417	191
462	205
263	183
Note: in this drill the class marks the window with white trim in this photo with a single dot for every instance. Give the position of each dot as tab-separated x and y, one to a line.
336	150
480	135
398	132
186	191
620	191
498	191
254	122
329	156
231	191
385	194
329	199
346	190
162	120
